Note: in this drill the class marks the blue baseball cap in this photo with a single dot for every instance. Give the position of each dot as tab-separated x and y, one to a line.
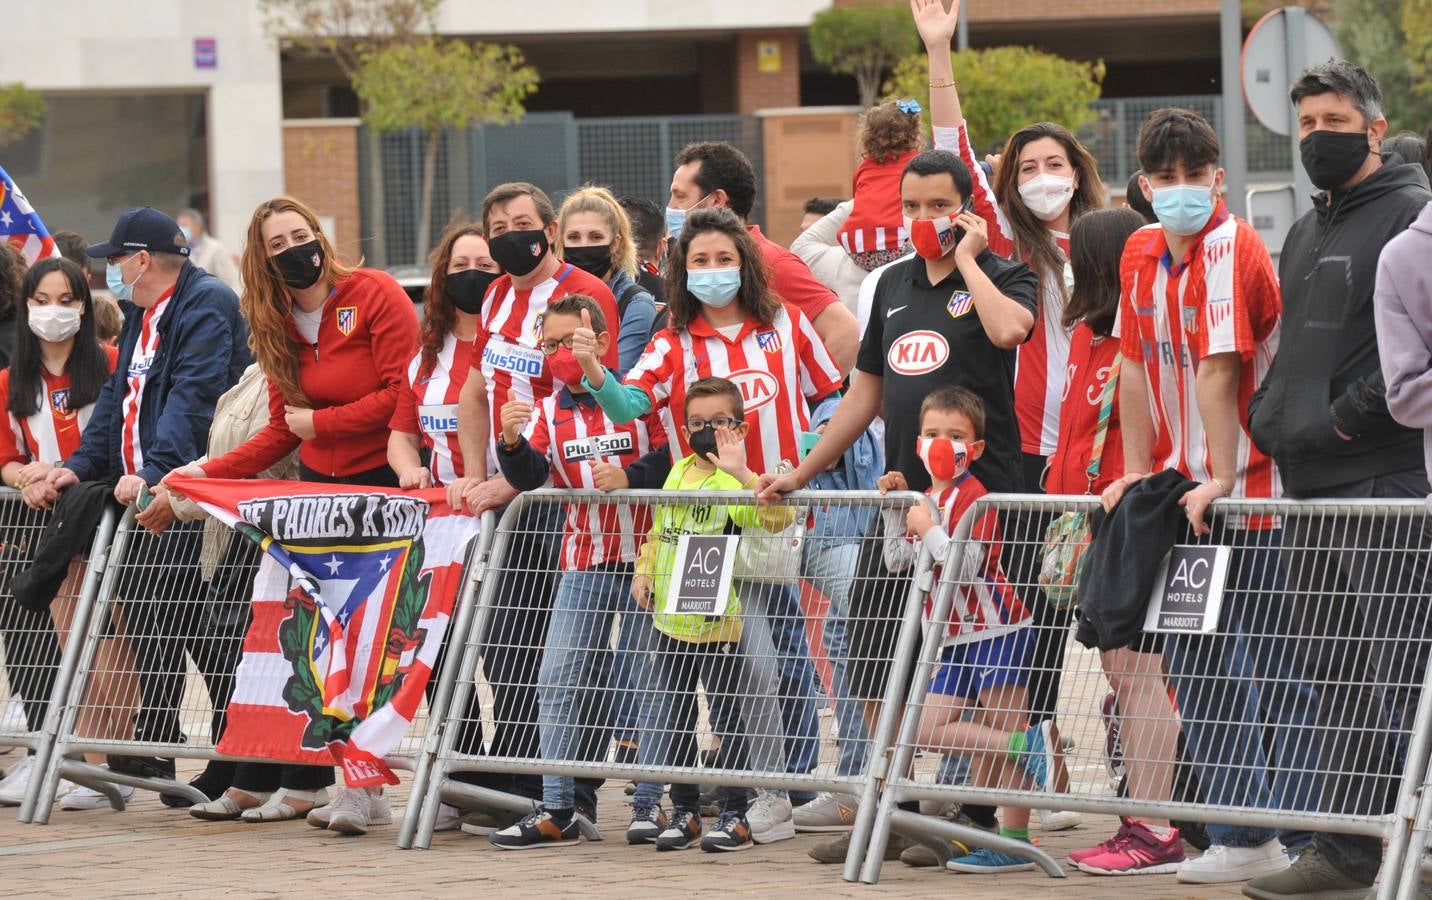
141	228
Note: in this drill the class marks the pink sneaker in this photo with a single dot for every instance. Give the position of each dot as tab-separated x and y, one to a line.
1139	852
1108	846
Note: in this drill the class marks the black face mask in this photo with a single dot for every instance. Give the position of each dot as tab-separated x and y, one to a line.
597	260
519	252
301	265
467	288
703	442
1331	158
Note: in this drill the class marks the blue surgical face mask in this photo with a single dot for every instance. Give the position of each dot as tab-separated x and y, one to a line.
1183	209
676	218
187	236
114	280
714	287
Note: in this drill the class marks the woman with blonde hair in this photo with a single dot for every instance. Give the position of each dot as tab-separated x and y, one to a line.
334	343
594	234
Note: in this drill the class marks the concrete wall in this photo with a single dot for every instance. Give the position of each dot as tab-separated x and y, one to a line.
141	46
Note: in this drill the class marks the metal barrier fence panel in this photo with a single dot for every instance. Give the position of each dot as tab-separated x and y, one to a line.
39	649
565	675
157	670
1297	707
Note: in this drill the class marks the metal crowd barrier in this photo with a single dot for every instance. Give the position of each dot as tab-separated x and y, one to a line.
1325	605
40	650
563	675
183	626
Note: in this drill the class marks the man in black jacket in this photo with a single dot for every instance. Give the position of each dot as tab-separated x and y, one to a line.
1322	415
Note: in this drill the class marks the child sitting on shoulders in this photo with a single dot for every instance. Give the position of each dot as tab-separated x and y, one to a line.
875	233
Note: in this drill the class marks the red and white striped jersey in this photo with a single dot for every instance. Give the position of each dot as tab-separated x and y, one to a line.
131	455
1221	298
777	367
987	604
1044	358
427	406
510	330
573	433
53	432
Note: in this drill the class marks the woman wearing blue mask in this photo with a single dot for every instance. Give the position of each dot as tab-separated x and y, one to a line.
724	321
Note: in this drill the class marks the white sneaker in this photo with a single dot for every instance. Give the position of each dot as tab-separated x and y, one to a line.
17	781
89	798
770	817
13	720
1225	865
1058	819
354	810
827	813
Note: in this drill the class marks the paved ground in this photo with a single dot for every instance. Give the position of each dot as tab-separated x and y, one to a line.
151	851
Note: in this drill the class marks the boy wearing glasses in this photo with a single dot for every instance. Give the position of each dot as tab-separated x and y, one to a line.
570	443
692	645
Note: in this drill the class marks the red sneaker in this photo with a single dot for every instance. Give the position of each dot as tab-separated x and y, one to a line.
1139	852
1106	847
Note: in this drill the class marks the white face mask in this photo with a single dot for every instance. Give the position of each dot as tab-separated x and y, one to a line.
54	322
1047	195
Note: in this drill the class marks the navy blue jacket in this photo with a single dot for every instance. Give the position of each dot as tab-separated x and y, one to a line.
203	349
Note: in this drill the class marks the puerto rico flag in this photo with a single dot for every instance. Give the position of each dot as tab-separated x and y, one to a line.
350	605
21	225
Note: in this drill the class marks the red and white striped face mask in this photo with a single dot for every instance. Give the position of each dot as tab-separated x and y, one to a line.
944	458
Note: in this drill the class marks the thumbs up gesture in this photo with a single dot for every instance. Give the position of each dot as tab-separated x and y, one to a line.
584	341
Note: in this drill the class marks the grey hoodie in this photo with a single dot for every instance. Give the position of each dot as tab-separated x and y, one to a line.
1402	304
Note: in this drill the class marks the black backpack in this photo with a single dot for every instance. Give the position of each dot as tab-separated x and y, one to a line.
628	294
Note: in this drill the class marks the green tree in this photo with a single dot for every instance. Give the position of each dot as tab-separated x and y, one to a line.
1417	26
344	31
21	112
1372	35
864	41
437	85
1002	89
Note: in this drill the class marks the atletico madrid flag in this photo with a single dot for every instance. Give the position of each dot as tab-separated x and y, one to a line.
21	225
350	606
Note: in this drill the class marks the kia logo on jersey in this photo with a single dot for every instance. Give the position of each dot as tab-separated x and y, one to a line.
918	353
757	388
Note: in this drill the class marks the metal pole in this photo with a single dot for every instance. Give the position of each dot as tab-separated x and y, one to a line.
1235	132
962	29
1297	30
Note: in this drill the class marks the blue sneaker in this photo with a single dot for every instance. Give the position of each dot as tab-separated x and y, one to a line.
987	860
1038	758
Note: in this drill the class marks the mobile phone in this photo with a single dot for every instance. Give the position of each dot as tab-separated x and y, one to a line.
141	503
808	441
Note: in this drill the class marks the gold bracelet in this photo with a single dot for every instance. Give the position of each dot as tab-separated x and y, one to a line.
1221	486
943	84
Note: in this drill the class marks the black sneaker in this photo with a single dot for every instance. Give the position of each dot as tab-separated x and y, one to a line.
683	832
142	766
536	830
647	823
207	782
732	832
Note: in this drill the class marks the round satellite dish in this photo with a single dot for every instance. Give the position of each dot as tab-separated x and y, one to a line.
1265	63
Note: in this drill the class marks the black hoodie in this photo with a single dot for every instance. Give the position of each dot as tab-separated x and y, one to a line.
1327	353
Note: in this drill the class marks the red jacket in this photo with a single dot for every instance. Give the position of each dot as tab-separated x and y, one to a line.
352	379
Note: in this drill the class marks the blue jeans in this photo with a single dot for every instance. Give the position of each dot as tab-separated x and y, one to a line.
578	700
1244	684
830	569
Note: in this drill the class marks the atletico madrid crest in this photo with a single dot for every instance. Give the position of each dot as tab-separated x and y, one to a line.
769	341
347	319
960	303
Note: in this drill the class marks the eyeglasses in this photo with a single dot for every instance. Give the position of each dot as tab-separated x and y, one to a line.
695	425
550	347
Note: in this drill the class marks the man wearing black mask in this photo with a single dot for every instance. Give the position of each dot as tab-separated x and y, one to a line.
1322	415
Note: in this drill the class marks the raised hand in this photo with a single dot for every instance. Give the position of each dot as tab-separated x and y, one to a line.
730	455
584	349
976	238
936	26
514	416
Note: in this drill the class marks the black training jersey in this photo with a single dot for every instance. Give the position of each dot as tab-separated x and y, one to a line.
921	337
